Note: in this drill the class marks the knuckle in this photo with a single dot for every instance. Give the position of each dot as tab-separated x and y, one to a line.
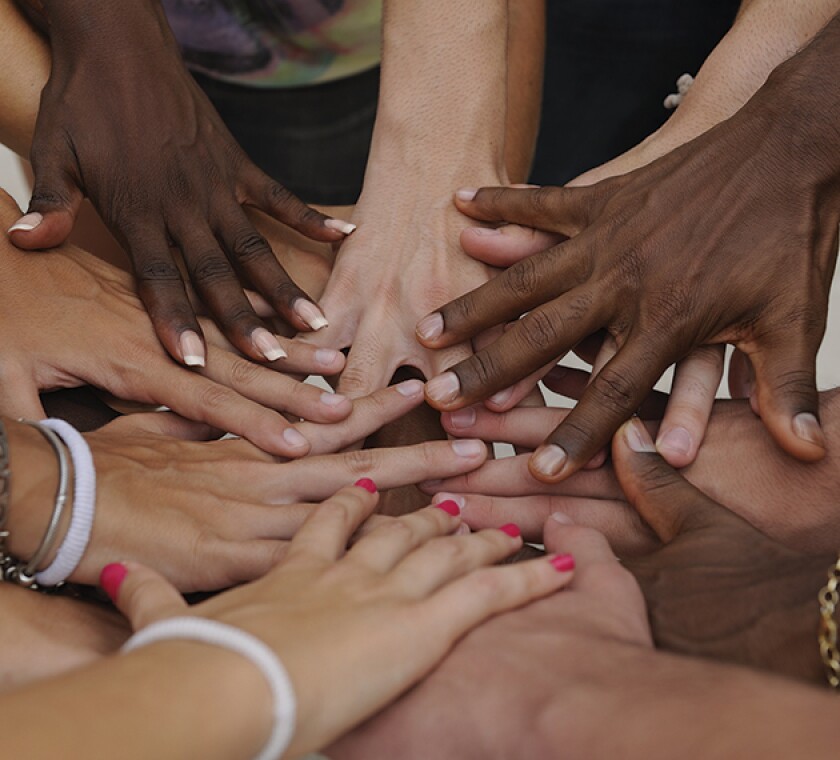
244	373
214	397
489	586
250	245
157	270
449	551
542	200
208	268
362	461
522	279
483	368
615	390
538	331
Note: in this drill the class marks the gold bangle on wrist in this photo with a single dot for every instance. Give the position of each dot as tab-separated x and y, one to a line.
829	597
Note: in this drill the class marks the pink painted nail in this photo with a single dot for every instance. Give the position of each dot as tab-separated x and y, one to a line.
450	507
111	578
367	484
512	530
563	563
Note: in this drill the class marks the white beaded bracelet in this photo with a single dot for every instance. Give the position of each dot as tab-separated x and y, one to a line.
75	543
250	647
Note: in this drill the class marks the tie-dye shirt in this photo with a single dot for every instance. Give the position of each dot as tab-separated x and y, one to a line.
277	43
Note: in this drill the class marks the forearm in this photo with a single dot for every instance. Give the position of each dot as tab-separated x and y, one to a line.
442	104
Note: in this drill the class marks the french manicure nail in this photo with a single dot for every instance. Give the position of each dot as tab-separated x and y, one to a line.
333	399
367	484
410	388
563	563
549	460
502	397
444	388
310	314
192	349
562	518
807	427
111	578
430	327
294	438
450	507
27	222
462	418
347	228
468	448
466	193
677	440
326	357
637	437
267	345
512	530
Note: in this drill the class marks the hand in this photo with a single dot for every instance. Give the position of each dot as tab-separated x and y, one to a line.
410	578
122	121
658	305
739	465
69	319
718	588
535	667
161	499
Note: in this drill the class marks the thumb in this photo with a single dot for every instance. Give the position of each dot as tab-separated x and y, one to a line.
504	246
663	498
141	594
54	204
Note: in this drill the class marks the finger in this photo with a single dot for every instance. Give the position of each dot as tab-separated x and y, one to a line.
163	424
369	367
508	398
55	202
554	209
526	285
540	337
254	255
325	535
275	390
141	594
161	288
611	398
518	427
274	199
504	246
314	478
786	389
696	380
665	500
384	547
442	560
741	375
588	546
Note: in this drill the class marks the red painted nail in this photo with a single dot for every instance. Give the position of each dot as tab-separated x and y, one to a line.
512	530
563	563
367	484
450	507
111	579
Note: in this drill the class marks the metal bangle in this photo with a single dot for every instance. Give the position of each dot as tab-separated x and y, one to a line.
26	576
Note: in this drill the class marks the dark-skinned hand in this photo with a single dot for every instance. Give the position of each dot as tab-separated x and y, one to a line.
718	587
731	238
122	122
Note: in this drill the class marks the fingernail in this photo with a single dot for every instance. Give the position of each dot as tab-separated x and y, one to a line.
512	530
444	388
111	578
462	418
468	448
327	356
294	438
466	193
192	349
333	399
450	507
563	563
410	388
637	437
267	345
346	228
562	518
310	314
807	427
486	231
677	440
549	460
367	484
463	530
430	327
502	397
457	498
27	222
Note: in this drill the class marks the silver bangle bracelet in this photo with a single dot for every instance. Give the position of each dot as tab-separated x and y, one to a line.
12	570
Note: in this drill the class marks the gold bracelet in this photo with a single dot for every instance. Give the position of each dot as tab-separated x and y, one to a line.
829	598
